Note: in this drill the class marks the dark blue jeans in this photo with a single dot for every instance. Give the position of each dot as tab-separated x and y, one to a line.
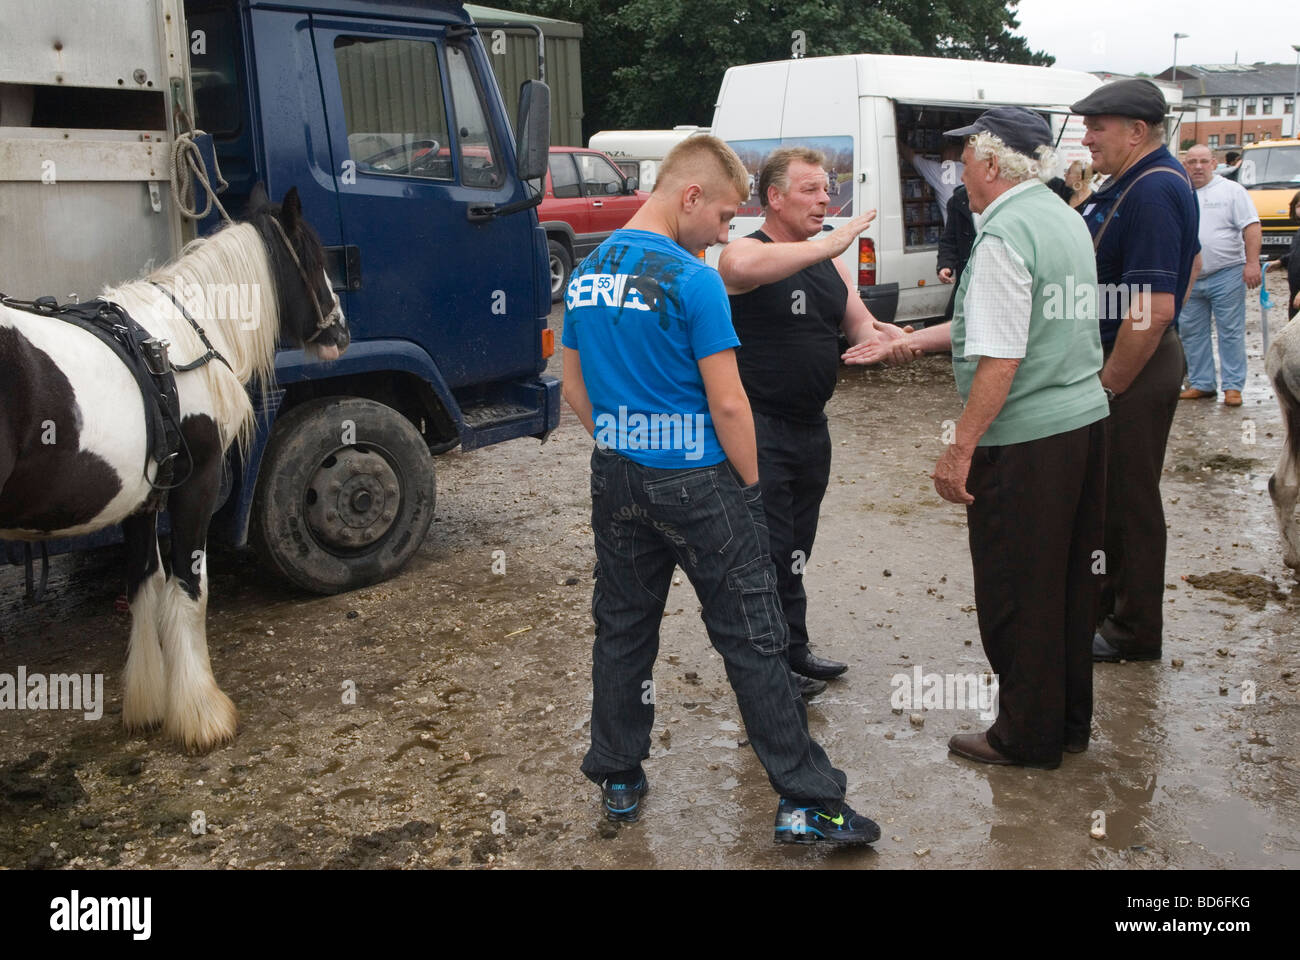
647	522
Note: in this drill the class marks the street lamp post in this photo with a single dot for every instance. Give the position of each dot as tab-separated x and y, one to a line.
1295	93
1174	79
1177	37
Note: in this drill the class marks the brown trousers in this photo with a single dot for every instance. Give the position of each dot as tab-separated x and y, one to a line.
1035	527
1133	593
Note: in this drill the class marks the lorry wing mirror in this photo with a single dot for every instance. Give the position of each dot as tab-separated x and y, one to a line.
533	143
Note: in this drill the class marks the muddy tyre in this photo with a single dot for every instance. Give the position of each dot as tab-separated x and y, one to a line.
561	267
345	494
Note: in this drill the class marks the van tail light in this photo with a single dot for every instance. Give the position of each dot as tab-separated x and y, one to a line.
866	262
548	343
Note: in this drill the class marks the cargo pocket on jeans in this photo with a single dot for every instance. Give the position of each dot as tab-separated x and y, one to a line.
755	583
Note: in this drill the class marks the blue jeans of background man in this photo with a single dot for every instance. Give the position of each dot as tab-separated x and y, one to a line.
646	523
1223	295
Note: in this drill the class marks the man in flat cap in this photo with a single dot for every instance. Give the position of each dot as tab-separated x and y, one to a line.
1144	229
1029	456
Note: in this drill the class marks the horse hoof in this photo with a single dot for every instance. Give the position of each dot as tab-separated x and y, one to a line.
204	726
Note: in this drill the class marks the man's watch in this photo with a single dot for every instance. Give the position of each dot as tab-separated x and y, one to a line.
1110	394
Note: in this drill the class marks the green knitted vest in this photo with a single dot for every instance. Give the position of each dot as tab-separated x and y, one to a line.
1056	388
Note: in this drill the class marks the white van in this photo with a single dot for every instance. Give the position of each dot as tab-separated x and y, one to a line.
639	152
858	110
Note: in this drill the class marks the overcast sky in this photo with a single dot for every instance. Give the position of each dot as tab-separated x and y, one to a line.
1128	36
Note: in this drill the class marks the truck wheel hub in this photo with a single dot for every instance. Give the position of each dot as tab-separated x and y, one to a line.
353	499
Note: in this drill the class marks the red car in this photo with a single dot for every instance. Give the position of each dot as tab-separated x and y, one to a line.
587	199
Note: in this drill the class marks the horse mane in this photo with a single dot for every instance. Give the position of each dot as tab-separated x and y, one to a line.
233	261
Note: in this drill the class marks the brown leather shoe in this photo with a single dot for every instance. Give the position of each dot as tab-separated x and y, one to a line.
976	746
1232	398
1191	393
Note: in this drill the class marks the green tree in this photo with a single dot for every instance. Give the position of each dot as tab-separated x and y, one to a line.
656	63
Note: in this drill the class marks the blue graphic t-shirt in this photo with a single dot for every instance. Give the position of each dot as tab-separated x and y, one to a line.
642	312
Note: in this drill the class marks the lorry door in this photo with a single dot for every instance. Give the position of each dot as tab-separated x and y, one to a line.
419	141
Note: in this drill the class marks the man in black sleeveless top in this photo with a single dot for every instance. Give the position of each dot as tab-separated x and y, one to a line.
789	301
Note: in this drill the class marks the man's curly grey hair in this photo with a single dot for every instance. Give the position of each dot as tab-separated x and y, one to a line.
1014	166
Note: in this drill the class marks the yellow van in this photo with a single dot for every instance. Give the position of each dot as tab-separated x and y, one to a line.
1270	170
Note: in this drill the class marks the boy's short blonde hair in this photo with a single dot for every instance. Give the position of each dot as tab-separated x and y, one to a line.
705	160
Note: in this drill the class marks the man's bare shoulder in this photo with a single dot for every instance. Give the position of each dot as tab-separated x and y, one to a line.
741	243
726	261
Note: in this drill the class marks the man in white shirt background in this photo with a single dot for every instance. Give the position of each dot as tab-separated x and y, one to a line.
1230	237
943	175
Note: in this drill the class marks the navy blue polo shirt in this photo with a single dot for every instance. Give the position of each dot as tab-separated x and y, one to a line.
1152	239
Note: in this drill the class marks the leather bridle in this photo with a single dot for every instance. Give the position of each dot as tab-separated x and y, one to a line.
322	322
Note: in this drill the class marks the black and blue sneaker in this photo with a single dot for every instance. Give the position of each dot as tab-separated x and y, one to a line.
815	822
622	794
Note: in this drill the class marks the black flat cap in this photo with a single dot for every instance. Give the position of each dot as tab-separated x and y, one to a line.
1140	99
1022	130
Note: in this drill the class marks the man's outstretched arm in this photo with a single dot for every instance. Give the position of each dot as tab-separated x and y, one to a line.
746	263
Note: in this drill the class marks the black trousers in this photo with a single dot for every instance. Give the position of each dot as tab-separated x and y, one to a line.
794	467
1035	529
1133	592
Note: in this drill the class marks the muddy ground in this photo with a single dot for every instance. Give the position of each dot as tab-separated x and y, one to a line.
472	689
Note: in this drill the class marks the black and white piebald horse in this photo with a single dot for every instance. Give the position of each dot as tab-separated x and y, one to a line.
1283	366
74	445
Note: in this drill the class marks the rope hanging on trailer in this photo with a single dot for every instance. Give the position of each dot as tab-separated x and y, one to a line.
185	166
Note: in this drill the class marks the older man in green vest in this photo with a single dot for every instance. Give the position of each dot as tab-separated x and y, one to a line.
1028	457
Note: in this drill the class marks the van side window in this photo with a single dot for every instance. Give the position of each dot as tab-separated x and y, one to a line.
564	176
599	177
393	107
478	167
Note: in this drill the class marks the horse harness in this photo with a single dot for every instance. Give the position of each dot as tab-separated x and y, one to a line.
146	357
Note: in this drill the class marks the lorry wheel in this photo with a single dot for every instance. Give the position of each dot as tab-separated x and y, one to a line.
561	265
345	496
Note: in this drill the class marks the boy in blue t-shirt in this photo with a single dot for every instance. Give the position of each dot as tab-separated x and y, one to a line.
650	370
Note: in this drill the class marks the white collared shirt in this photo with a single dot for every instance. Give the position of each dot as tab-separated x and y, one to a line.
999	295
943	182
